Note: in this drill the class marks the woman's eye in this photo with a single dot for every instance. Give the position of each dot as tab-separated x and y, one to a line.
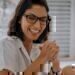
31	17
44	19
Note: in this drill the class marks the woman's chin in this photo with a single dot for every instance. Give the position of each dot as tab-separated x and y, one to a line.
34	38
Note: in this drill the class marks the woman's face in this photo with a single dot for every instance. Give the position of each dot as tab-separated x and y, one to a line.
33	22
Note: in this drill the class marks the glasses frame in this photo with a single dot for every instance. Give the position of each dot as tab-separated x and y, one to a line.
36	19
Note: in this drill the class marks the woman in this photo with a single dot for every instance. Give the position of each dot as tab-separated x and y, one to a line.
29	25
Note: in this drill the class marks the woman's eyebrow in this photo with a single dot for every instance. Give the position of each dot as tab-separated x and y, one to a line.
31	13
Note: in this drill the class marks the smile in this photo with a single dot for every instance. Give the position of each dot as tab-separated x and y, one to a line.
34	31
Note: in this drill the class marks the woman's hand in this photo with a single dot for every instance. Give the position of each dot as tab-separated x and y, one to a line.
49	50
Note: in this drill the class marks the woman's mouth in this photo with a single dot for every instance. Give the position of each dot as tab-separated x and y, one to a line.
34	31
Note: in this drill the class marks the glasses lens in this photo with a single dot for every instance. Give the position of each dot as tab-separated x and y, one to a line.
43	20
31	18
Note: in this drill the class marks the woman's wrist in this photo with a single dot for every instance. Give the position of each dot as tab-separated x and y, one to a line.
56	65
55	72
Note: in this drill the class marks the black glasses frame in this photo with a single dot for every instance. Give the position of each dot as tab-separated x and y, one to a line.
31	18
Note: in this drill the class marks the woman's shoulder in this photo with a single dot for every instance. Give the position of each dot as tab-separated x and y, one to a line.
8	54
6	39
8	42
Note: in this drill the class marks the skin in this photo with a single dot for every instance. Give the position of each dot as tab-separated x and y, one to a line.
49	50
26	26
68	70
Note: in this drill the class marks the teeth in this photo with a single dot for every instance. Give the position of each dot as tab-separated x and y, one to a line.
34	31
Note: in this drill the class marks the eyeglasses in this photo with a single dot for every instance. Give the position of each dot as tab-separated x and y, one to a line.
31	18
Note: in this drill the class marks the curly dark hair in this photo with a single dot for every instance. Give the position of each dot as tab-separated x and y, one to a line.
15	27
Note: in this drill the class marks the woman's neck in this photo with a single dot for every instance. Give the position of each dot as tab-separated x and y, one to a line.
28	45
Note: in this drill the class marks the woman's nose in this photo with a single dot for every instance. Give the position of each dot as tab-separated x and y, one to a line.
37	25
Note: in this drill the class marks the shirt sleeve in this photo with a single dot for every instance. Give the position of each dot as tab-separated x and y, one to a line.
8	55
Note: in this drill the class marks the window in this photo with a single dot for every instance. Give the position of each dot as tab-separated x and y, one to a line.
6	8
62	10
59	8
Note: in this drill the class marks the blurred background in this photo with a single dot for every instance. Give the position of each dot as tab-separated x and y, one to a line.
63	12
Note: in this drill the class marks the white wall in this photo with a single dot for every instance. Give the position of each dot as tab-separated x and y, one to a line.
72	49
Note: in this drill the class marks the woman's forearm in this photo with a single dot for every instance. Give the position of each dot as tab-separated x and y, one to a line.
55	69
34	67
56	65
